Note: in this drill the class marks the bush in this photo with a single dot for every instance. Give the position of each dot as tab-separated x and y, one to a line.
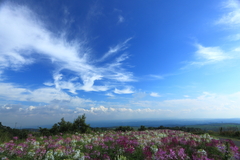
124	128
142	128
63	126
237	134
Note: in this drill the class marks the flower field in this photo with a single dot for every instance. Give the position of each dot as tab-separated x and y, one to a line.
134	145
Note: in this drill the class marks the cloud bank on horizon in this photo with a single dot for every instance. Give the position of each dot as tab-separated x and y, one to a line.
113	61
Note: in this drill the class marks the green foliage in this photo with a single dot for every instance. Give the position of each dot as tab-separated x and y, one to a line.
79	125
101	129
124	128
63	126
142	128
216	127
237	134
7	133
44	131
55	129
183	128
230	132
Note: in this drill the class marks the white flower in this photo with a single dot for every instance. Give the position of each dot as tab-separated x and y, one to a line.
154	148
49	155
31	153
121	158
20	147
202	152
58	153
77	154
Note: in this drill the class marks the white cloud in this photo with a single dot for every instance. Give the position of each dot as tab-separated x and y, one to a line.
120	19
156	76
154	94
31	108
6	107
110	95
139	95
208	55
19	42
237	49
11	92
206	105
116	72
117	48
232	17
48	84
127	90
235	37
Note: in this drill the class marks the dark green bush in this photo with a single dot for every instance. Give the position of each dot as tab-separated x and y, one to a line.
124	128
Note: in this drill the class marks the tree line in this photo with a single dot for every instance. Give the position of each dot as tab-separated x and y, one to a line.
79	125
7	133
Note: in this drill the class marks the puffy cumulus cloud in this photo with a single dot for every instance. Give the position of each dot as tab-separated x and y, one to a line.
154	94
50	114
31	108
6	107
207	105
20	43
121	113
94	110
9	108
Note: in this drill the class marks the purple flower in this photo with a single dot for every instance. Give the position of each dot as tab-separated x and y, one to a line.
15	138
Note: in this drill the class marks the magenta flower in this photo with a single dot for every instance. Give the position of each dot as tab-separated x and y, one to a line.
15	138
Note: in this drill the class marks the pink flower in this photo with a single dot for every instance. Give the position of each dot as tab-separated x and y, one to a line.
15	138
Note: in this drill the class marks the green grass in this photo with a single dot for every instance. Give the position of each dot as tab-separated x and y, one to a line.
216	126
4	137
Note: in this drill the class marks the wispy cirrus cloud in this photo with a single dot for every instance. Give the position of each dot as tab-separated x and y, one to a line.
115	49
110	94
208	55
155	77
126	90
232	17
20	43
11	92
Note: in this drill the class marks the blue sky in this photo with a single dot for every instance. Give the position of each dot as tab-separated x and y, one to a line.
116	60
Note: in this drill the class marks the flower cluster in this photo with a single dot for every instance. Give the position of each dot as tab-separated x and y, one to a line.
141	145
